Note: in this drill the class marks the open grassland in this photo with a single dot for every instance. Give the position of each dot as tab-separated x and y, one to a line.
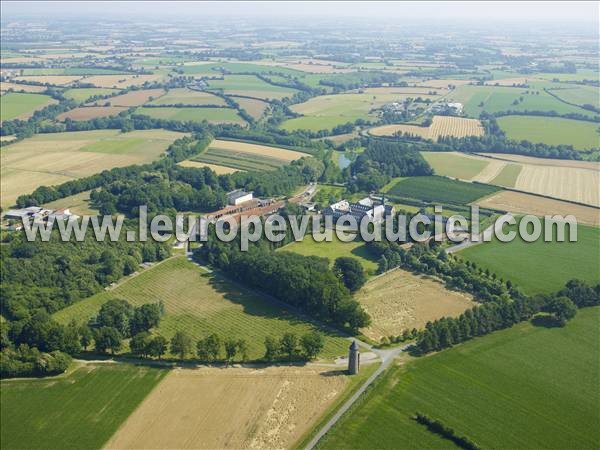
455	164
219	170
399	300
186	96
250	86
440	189
551	131
50	159
78	204
256	108
477	99
79	410
334	249
81	95
17	87
539	383
541	267
579	95
211	115
201	303
520	203
440	126
15	105
231	408
91	112
133	98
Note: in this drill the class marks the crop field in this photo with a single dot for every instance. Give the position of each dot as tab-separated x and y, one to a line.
440	126
54	80
121	81
455	164
233	408
239	160
507	176
399	300
440	189
80	95
133	98
256	108
551	131
212	115
79	410
539	383
250	86
186	96
219	170
520	203
553	263
545	161
200	304
334	249
17	87
49	159
497	98
257	149
15	105
90	112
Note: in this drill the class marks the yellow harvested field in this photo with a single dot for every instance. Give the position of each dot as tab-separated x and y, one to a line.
230	408
399	300
244	147
57	80
133	98
443	83
510	81
489	172
219	170
545	161
256	108
4	86
567	183
520	203
50	159
121	81
417	91
90	112
440	126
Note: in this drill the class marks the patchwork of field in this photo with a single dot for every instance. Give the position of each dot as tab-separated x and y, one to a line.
16	105
250	86
81	409
399	300
121	81
551	130
440	126
440	189
81	95
455	164
539	383
231	408
133	98
54	80
219	170
520	203
186	96
17	87
553	263
578	94
592	165
90	112
256	108
49	159
201	304
211	115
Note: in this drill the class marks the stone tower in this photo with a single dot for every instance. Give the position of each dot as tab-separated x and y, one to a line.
353	359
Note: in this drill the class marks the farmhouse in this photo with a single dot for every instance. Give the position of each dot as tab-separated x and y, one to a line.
374	208
14	218
447	108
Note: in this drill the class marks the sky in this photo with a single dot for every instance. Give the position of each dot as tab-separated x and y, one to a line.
557	12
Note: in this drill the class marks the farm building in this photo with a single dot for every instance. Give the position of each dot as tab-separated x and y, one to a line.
238	197
447	108
375	209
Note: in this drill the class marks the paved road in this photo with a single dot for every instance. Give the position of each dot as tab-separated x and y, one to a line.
488	232
387	356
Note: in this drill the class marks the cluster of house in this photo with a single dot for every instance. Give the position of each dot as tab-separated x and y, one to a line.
447	108
375	208
13	219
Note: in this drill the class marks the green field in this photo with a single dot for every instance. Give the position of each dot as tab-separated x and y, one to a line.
541	267
250	86
497	98
526	387
239	160
453	165
214	69
187	97
334	249
73	71
200	304
15	105
82	94
440	189
80	410
78	204
579	95
212	115
551	131
508	175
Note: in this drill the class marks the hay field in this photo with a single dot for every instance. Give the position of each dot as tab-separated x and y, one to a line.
56	80
250	86
5	86
545	161
219	170
211	115
440	126
82	94
121	81
134	98
256	108
16	105
455	164
399	300
186	96
50	159
230	408
90	112
520	203
257	149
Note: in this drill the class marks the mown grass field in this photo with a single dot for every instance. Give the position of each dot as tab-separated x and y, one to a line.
79	410
440	189
251	86
454	164
541	267
82	94
551	131
539	383
212	115
16	105
78	204
186	96
200	304
508	175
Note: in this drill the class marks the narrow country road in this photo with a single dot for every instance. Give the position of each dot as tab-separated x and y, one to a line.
487	233
387	356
